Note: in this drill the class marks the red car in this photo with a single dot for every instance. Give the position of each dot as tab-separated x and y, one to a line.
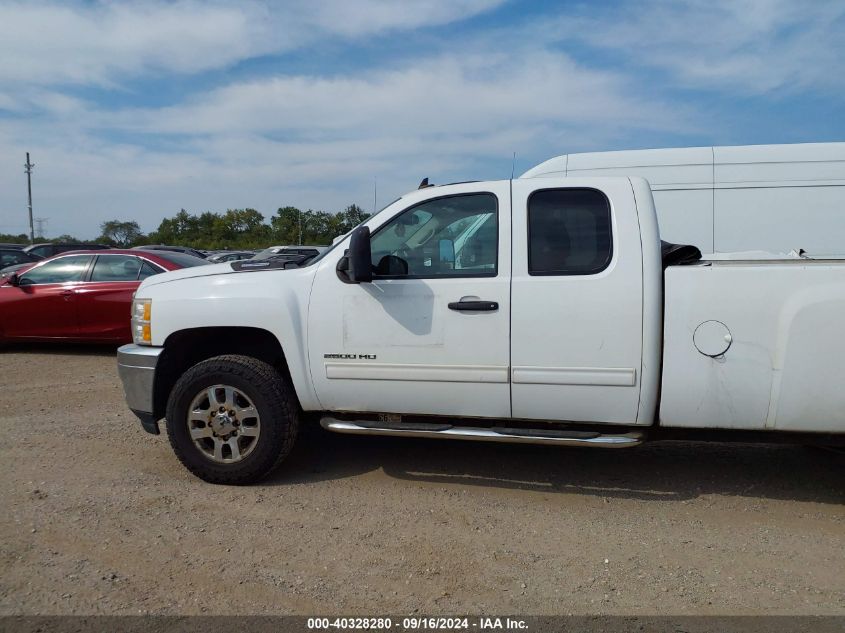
81	295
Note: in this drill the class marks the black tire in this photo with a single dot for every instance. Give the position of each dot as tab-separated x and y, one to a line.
273	397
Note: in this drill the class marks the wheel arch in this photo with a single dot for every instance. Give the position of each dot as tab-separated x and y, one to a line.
185	348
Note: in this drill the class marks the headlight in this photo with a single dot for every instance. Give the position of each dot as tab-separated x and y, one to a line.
141	314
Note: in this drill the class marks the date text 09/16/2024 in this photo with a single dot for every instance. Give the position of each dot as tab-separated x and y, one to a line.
418	623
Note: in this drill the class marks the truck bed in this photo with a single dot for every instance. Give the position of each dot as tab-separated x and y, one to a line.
754	342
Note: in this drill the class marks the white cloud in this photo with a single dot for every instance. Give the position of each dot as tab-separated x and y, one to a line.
465	94
267	141
359	18
456	112
104	43
100	43
744	46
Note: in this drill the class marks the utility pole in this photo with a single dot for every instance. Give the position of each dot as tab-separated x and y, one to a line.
300	226
28	168
375	194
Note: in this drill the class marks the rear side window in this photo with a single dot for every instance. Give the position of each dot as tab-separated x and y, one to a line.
569	232
116	268
148	270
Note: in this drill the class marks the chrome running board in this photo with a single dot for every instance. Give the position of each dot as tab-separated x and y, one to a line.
560	437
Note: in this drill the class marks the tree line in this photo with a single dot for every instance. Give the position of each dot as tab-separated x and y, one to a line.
234	229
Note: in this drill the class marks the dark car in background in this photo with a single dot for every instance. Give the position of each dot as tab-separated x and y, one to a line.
229	256
173	249
297	254
290	252
269	252
79	296
14	256
48	249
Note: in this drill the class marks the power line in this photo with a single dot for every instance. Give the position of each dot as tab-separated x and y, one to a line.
40	223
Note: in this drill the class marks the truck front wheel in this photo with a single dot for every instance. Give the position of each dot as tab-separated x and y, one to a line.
232	419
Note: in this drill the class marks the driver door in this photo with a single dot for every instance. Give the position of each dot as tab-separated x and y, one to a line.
413	341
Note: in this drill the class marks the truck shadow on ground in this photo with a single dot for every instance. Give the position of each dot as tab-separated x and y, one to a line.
661	471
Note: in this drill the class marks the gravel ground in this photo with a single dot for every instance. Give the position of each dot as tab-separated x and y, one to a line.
99	517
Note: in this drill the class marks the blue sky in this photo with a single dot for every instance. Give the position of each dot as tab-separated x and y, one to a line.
135	110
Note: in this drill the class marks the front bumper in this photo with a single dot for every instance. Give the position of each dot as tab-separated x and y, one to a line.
136	366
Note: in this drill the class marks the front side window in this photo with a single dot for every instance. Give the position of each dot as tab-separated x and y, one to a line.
454	236
569	232
57	271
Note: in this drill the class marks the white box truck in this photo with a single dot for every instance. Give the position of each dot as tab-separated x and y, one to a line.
775	198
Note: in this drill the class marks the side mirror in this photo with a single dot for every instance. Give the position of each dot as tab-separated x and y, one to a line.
14	280
360	257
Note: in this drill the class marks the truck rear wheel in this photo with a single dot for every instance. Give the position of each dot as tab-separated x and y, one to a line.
232	419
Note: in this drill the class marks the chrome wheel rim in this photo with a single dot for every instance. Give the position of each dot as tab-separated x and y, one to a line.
224	424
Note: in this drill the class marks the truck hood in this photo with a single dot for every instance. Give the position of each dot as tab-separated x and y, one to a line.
207	270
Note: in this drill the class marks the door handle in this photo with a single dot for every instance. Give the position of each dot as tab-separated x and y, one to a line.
67	294
474	306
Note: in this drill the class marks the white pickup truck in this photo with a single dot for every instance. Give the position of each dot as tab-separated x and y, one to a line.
539	310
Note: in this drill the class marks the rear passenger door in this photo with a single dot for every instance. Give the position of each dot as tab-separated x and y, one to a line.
105	299
576	302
